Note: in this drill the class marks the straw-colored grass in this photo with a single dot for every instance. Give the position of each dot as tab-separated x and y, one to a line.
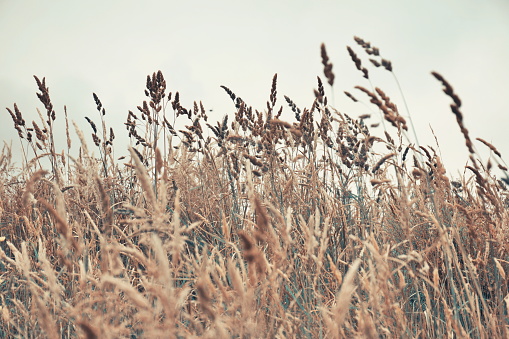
251	227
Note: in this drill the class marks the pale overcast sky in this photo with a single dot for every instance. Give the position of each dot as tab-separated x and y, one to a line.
109	47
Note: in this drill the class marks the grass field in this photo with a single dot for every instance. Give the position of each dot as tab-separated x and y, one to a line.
251	227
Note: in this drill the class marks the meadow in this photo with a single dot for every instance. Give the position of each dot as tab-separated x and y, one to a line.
252	226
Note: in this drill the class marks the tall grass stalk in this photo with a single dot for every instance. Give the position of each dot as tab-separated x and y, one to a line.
252	226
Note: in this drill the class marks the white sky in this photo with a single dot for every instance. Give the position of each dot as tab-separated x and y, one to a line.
109	47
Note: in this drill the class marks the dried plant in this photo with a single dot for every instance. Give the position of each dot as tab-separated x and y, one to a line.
251	226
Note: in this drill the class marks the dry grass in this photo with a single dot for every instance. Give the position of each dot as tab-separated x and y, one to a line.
253	227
